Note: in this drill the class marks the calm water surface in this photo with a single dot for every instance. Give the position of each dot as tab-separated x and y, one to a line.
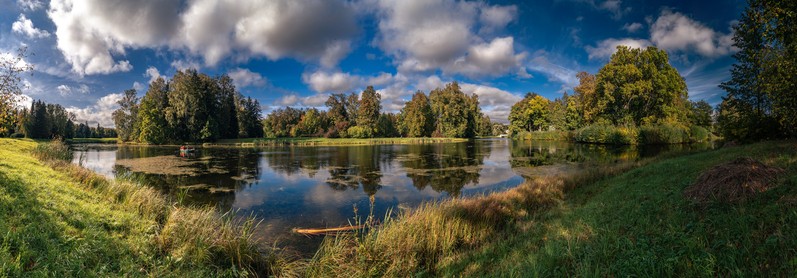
311	187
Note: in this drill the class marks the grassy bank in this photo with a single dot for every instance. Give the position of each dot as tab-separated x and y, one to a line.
618	221
62	220
254	142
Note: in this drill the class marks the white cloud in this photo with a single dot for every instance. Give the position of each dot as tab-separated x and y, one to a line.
24	101
321	81
674	31
99	112
245	78
94	34
316	100
442	34
152	73
138	86
555	72
381	79
65	90
496	17
185	64
632	27
24	26
615	7
30	5
490	96
494	59
607	47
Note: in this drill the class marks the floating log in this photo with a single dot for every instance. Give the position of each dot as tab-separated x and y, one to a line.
327	231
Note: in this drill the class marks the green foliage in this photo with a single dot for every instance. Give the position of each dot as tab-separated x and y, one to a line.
640	87
280	122
663	134
360	132
416	118
457	114
369	108
607	134
761	103
698	134
153	127
530	114
310	124
701	114
45	121
387	125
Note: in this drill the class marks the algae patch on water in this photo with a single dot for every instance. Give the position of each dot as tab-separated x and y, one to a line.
171	165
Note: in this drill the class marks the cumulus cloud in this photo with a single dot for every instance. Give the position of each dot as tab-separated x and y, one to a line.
607	47
676	32
632	27
496	17
99	112
245	78
24	26
321	81
495	58
94	34
445	34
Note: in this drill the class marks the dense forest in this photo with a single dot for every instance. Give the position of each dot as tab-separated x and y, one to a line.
191	107
446	112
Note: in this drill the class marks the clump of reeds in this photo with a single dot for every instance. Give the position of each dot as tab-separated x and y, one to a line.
734	181
54	150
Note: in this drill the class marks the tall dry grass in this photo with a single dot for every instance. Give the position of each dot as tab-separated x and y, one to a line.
417	241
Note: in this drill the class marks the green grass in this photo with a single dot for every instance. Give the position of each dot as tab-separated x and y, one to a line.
62	220
253	142
634	223
92	140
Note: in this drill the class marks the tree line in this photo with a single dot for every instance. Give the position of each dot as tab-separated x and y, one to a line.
446	112
191	107
637	91
47	121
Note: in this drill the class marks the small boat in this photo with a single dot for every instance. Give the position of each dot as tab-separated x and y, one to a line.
186	151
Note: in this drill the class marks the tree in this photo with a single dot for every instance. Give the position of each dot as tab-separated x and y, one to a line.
153	126
387	125
585	101
369	109
38	124
529	114
416	118
125	117
311	124
11	66
640	87
456	114
701	114
249	122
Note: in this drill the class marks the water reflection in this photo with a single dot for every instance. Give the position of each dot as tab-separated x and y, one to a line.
289	186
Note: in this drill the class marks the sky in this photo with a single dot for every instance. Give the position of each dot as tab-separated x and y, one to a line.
296	52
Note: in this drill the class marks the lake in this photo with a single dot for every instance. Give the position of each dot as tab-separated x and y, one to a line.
287	187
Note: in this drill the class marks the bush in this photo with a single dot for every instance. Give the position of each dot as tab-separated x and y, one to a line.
698	134
360	132
17	135
607	134
663	134
556	135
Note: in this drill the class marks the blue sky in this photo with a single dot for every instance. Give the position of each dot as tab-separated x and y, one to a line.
296	52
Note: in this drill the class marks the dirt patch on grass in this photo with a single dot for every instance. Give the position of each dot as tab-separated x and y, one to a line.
733	181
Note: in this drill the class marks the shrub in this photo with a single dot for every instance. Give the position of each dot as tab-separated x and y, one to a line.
360	132
555	135
663	134
698	134
607	134
17	135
